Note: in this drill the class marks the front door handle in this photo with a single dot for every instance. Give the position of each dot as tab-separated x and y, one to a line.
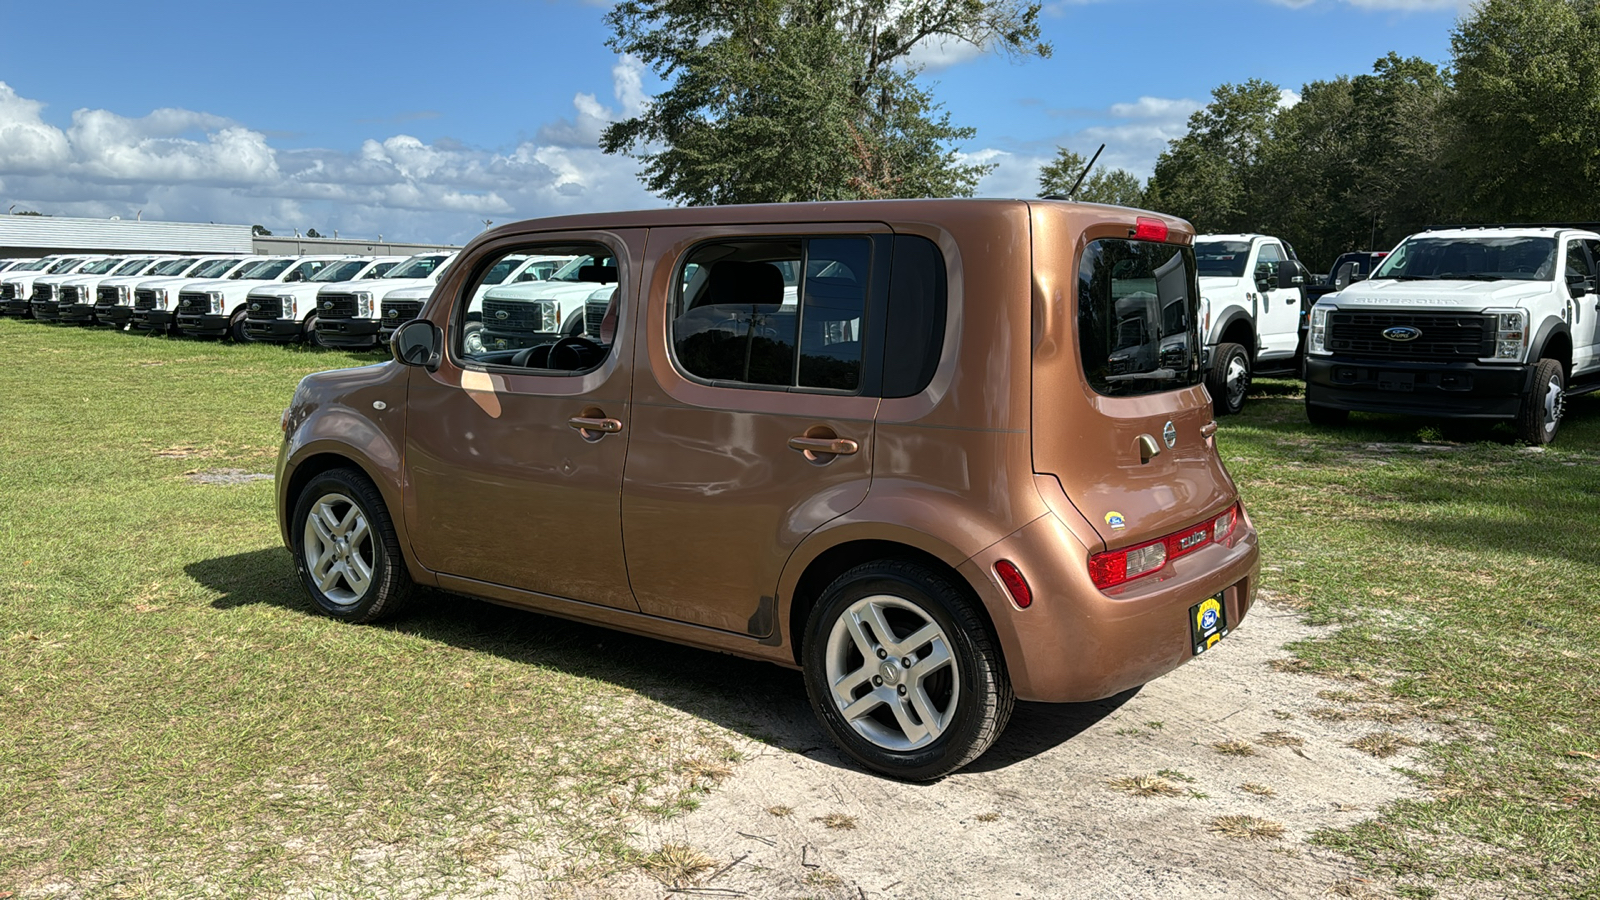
831	446
597	425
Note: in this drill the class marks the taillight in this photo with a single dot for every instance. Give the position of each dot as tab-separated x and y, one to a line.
1016	585
1147	229
1115	567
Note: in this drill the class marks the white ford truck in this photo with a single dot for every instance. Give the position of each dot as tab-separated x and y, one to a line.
347	314
155	302
1251	287
280	313
1479	323
217	309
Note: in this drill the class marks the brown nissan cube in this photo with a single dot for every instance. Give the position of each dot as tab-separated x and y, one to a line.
936	454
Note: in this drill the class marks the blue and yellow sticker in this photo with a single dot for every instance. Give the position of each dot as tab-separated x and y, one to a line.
1116	520
1207	623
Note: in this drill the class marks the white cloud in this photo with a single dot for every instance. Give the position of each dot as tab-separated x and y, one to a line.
182	165
1287	98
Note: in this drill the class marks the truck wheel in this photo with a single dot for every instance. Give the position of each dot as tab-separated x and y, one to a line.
236	327
1229	378
1326	416
308	332
902	672
1542	407
345	548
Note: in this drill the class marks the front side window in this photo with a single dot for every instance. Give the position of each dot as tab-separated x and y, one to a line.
777	313
1137	304
305	270
561	326
1471	259
1577	261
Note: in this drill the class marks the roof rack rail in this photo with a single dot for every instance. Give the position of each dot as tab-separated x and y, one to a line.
1586	226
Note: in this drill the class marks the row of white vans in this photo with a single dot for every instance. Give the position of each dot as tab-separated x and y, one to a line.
335	301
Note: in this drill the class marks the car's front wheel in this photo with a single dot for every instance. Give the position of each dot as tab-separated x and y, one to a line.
903	673
1544	405
1229	379
346	549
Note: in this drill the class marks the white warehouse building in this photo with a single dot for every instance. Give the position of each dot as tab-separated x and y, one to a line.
33	236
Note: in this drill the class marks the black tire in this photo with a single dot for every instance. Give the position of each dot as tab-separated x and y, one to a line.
1228	380
1544	404
236	327
308	331
1325	416
972	694
331	497
472	338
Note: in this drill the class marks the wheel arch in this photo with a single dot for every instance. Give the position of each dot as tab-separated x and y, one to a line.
317	460
1237	328
1553	341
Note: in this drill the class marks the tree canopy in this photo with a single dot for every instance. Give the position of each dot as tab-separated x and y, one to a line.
784	100
1115	186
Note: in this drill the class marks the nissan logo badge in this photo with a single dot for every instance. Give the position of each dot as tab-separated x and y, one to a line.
1402	333
502	314
1170	435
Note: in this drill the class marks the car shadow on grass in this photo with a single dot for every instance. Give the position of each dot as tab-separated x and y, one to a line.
760	700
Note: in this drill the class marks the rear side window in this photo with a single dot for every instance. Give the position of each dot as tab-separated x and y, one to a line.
1137	304
917	307
780	313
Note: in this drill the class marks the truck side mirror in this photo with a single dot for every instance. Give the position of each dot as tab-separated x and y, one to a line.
417	343
1579	285
1357	276
1265	279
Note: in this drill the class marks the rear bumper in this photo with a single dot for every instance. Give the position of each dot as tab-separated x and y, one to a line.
347	332
1456	390
280	331
1076	643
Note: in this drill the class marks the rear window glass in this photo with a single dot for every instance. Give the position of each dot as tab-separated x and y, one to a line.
1137	304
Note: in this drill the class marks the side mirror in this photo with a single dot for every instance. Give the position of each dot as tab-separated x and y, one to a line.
1579	285
1265	280
418	343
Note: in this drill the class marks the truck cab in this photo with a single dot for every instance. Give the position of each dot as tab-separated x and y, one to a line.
1251	287
155	302
1493	323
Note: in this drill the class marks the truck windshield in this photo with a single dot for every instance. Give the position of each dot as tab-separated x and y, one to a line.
172	267
133	267
216	268
1136	317
1471	259
417	267
33	266
340	271
266	270
99	268
1221	259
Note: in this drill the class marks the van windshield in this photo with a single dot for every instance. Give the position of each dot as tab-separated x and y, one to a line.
1137	305
1471	259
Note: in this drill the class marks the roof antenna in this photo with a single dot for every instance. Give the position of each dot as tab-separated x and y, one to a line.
1086	169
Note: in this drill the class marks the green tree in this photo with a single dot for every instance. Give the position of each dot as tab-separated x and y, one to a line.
1210	175
260	231
1526	110
312	233
783	100
1115	186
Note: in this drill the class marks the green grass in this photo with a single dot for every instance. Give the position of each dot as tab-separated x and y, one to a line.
176	720
1465	578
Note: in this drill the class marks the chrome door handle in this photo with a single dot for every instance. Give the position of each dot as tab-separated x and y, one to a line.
834	446
601	425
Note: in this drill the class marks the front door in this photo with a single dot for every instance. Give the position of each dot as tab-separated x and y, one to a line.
752	416
515	457
1278	316
1585	316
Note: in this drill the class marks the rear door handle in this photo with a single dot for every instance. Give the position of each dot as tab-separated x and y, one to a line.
834	446
595	424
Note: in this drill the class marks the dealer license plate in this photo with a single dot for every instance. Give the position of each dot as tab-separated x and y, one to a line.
1208	623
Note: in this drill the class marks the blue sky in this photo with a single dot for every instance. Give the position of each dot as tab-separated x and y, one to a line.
419	121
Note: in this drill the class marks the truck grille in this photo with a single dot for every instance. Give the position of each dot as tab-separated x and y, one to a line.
193	302
396	312
1445	336
105	298
43	292
594	312
264	308
8	292
70	295
511	315
143	298
336	306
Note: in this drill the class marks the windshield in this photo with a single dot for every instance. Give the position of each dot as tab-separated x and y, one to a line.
99	268
33	266
133	267
340	271
173	267
1221	259
1471	259
65	265
417	267
503	268
215	269
266	270
571	271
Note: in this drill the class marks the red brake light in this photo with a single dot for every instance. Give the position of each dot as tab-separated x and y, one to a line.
1115	567
1147	229
1016	585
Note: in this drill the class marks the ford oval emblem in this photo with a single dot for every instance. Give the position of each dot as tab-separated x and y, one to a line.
502	314
255	307
327	304
394	313
1402	333
1170	435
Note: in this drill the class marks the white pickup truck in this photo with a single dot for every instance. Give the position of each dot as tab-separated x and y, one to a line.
347	314
281	313
44	297
1478	323
113	303
155	302
1251	288
217	308
16	287
76	297
526	314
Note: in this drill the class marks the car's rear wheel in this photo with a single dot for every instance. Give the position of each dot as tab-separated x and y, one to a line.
1229	378
903	673
346	549
1544	404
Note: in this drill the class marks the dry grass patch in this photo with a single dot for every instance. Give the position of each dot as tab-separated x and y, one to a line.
678	864
1260	790
837	821
1329	714
1382	744
1146	786
1246	828
1280	739
1234	748
780	811
822	878
988	817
